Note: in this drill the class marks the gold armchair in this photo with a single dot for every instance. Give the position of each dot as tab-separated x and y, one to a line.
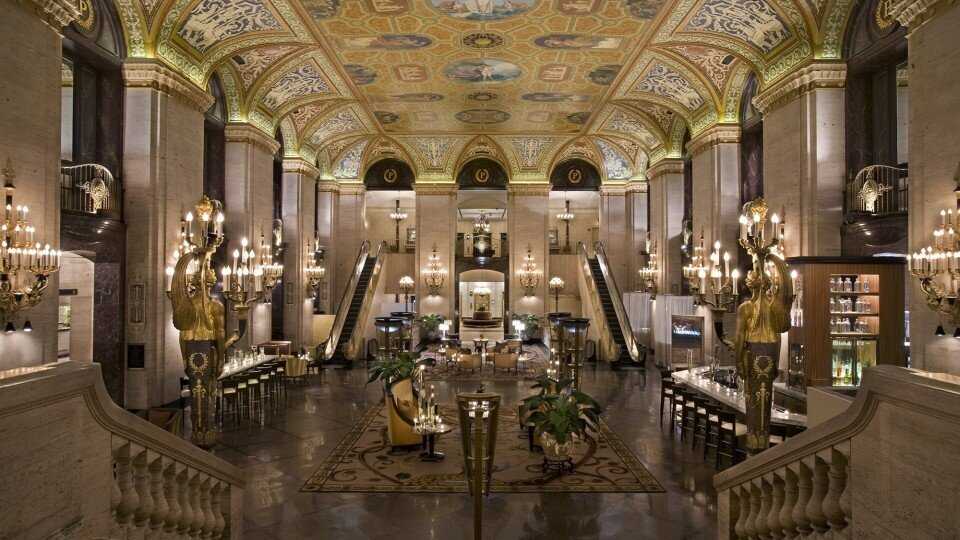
506	361
470	361
401	409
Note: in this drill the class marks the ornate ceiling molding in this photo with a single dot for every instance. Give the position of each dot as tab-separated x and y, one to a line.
143	73
249	134
718	134
435	188
637	186
301	167
815	75
665	167
914	13
57	13
328	186
613	190
541	189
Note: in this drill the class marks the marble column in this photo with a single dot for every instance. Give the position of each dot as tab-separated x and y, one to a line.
613	231
528	217
716	203
638	219
248	206
328	205
349	232
30	60
163	179
934	139
436	218
803	156
666	221
299	213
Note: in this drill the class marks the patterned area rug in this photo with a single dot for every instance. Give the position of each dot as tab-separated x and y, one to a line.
364	463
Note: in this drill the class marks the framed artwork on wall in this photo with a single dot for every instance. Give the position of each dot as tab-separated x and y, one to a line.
553	235
411	238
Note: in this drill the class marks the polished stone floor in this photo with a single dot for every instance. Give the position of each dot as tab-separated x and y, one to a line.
280	456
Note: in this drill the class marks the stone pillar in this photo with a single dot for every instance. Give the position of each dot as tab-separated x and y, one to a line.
299	213
528	215
934	138
163	177
349	233
30	60
803	156
249	210
666	221
328	204
638	219
436	226
716	202
613	231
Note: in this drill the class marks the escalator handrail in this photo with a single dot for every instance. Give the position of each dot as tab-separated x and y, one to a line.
622	318
344	305
368	294
583	259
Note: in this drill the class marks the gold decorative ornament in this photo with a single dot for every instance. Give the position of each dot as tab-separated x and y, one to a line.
88	17
434	275
883	14
529	275
762	318
648	273
390	175
25	263
574	176
98	192
481	176
315	271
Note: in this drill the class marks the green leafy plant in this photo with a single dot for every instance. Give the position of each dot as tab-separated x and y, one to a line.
393	370
531	325
430	326
563	415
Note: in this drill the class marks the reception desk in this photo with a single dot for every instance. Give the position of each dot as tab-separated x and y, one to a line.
694	380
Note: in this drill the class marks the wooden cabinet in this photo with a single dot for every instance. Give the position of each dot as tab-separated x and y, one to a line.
849	315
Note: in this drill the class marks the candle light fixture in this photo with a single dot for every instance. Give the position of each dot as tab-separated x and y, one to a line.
435	274
315	270
25	263
556	285
566	217
397	216
270	269
648	274
528	274
937	267
406	287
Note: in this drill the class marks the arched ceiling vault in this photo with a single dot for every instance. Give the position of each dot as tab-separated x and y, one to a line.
537	78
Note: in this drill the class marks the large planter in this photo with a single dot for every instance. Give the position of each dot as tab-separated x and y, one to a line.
554	451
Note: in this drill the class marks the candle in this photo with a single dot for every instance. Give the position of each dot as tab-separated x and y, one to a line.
726	263
736	276
943	218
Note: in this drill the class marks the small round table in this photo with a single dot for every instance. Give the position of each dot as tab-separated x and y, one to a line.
429	434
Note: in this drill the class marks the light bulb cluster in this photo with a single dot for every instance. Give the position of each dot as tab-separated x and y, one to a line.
648	273
937	267
434	275
712	281
529	274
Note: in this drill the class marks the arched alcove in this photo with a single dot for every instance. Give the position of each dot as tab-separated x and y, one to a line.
575	175
389	174
482	173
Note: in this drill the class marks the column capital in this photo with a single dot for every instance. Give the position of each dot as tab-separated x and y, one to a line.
248	134
613	189
665	167
300	166
529	190
143	73
913	13
813	75
352	188
328	186
712	136
58	13
434	188
637	186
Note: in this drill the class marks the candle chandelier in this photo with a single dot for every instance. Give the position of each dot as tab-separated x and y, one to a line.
648	274
397	216
435	275
529	274
712	285
315	271
566	217
25	262
937	266
271	269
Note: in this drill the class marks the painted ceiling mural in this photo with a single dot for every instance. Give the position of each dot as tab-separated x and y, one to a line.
535	75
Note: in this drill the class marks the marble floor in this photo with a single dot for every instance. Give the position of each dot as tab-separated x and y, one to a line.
279	457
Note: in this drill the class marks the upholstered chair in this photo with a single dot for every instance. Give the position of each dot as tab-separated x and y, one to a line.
506	361
401	410
470	361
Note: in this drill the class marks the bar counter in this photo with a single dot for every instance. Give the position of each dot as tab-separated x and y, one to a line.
731	398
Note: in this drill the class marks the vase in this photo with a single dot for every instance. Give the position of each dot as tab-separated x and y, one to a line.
553	450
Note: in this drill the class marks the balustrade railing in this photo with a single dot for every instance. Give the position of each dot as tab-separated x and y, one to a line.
864	473
878	190
90	189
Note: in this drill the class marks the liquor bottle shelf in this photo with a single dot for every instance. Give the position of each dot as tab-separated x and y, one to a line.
839	293
863	335
855	313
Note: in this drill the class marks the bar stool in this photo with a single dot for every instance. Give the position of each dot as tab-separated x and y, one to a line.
243	396
229	401
701	419
666	394
728	433
677	404
266	387
688	415
254	395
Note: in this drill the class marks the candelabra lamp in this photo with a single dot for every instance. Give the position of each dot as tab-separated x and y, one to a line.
762	318
406	287
397	216
25	263
435	274
556	285
574	339
271	270
566	217
478	413
314	272
529	275
713	284
648	273
937	267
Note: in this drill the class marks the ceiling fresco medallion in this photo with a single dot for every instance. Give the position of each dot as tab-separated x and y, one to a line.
481	176
644	9
211	22
554	97
574	176
482	10
604	75
577	41
554	73
388	42
388	7
482	70
390	175
360	74
577	7
321	9
417	97
482	96
386	117
753	21
482	116
410	73
578	118
482	40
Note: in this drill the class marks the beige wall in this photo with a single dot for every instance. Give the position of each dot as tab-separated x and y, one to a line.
666	221
934	155
299	212
30	58
527	215
585	226
637	218
328	204
613	232
436	226
348	232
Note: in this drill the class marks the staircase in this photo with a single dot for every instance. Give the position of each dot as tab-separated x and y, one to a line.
609	312
353	313
342	346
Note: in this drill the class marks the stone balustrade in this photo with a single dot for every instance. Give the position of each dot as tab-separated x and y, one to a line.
89	469
857	475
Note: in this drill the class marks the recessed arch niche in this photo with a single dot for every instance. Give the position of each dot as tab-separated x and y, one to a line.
482	173
389	174
575	175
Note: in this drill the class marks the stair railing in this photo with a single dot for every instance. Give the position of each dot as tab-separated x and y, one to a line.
878	190
355	347
622	317
344	306
90	189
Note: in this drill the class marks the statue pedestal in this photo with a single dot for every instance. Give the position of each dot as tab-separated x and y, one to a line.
202	367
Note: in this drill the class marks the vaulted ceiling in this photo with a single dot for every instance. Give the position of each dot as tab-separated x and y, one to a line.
619	82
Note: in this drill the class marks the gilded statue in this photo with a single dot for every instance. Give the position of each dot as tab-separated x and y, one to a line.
761	320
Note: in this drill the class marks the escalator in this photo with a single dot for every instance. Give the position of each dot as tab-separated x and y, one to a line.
354	307
618	345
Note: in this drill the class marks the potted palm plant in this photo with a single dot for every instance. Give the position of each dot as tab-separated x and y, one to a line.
430	327
560	417
392	370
